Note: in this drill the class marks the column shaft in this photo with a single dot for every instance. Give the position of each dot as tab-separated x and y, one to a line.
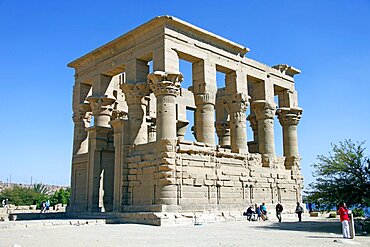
265	113
205	118
223	133
166	116
135	95
238	104
289	119
119	152
166	87
81	121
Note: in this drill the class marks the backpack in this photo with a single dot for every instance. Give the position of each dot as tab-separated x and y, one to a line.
299	209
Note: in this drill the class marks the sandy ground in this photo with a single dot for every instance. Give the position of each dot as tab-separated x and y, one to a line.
320	233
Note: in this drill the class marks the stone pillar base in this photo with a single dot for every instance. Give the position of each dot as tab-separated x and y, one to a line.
292	162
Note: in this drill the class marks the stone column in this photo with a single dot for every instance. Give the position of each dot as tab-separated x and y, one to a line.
204	89
166	87
238	104
253	146
254	126
152	133
99	195
289	119
81	120
137	103
119	119
205	117
265	112
181	129
223	133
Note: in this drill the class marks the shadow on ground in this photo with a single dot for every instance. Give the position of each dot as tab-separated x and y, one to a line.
307	226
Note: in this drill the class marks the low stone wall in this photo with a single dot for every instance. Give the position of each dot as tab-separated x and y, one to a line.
199	178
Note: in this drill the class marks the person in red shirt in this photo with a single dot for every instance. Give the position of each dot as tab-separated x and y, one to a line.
343	212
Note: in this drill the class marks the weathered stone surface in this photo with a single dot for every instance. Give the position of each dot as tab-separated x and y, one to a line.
135	159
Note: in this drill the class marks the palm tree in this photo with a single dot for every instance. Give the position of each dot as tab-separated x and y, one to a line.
40	188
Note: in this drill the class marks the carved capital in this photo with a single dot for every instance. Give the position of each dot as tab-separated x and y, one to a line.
117	114
223	128
165	83
238	102
289	116
205	98
84	113
253	122
135	93
101	105
264	109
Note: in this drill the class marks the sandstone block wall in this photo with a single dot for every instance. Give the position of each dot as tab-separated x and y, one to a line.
130	154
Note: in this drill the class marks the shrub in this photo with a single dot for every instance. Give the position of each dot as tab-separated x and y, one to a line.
358	212
22	196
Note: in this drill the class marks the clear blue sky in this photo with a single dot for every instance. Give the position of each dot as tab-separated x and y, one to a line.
328	40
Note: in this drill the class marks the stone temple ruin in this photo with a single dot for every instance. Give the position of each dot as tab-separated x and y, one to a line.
130	156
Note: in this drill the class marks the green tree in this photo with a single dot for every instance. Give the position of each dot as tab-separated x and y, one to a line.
40	188
22	196
342	176
60	196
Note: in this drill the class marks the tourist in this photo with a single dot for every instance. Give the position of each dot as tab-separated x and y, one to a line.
43	207
263	211
309	207
299	211
279	210
6	205
343	212
250	213
47	205
258	212
3	203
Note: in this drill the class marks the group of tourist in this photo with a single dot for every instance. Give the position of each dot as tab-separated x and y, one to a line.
257	213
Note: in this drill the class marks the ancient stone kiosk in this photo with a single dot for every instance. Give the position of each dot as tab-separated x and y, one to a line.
130	156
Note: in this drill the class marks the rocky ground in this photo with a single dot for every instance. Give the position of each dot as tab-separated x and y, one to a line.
311	232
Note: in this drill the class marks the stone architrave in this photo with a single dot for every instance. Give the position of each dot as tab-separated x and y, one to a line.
289	119
265	112
166	87
137	103
238	104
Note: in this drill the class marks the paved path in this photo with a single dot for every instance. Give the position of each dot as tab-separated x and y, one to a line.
61	233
